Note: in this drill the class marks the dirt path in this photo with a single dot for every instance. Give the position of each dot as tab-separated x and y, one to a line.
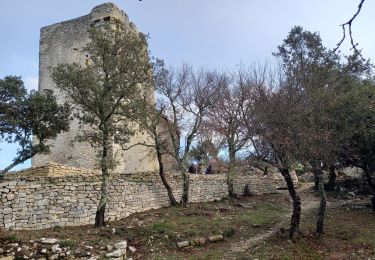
308	202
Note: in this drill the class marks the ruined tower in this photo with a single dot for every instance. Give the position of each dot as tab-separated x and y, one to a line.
61	43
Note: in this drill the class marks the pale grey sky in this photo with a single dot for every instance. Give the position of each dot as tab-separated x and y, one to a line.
211	33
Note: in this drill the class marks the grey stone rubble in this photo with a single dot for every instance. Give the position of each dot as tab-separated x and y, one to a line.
39	250
116	254
199	241
216	238
132	249
182	244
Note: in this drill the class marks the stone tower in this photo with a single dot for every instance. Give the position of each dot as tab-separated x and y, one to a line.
61	43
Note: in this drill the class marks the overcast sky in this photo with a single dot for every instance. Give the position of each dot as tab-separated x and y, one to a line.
210	33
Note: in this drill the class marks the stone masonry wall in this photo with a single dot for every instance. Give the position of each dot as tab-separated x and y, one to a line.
55	195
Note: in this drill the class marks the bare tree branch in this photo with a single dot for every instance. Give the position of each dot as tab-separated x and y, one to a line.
137	144
348	25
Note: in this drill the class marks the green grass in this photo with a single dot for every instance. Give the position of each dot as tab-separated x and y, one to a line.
68	243
12	238
263	215
186	227
212	254
164	227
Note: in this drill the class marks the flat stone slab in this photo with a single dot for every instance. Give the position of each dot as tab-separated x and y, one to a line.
183	244
121	245
216	238
48	240
115	254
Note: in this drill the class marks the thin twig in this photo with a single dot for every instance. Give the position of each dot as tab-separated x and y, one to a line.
349	25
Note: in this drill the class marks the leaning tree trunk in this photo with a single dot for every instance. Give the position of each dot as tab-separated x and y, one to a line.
230	173
368	174
172	199
332	179
8	168
99	218
323	202
14	164
296	215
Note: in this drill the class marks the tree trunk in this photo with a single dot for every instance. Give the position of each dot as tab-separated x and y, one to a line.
332	179
185	189
230	184
296	215
230	173
323	202
99	218
172	199
316	183
368	174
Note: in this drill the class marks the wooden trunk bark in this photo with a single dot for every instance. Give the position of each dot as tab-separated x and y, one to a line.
296	215
368	174
230	184
100	212
171	197
230	173
185	189
332	179
323	202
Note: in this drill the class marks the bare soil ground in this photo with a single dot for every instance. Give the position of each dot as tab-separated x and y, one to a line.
252	228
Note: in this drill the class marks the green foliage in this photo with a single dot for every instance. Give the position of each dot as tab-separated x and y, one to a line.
203	151
358	108
24	115
312	76
12	92
311	113
303	55
308	120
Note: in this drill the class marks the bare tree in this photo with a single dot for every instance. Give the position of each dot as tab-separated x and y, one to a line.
152	121
187	95
224	119
250	82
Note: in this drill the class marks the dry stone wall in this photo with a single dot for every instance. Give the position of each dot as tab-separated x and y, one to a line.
54	195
